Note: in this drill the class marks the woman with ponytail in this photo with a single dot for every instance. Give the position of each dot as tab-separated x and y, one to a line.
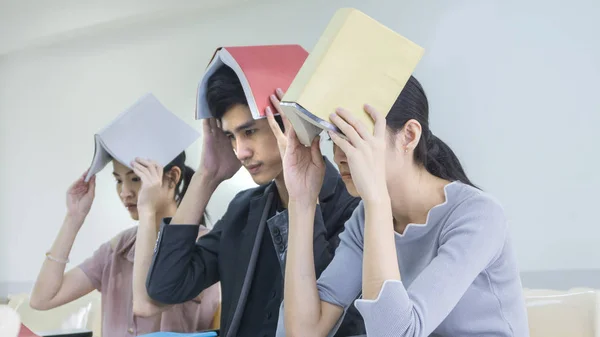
118	268
430	253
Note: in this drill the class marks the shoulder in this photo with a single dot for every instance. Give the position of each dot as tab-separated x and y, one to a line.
240	203
95	265
245	196
123	239
472	208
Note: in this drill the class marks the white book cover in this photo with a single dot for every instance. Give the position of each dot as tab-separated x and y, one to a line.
147	129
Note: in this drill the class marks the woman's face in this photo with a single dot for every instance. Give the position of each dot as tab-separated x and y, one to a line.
128	186
342	162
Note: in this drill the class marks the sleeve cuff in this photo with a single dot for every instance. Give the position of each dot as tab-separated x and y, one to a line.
389	312
175	235
90	275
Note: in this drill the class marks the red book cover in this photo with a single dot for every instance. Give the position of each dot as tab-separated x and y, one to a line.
25	332
261	70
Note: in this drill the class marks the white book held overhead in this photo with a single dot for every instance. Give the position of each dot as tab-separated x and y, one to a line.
147	129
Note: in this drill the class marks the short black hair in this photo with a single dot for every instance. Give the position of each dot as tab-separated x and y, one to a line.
224	91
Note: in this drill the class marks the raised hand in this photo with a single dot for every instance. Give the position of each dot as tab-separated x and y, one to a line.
218	161
153	192
80	197
303	167
365	151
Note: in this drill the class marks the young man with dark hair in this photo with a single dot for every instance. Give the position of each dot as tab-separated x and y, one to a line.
245	250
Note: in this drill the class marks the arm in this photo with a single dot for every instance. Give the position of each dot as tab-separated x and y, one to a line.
53	287
307	314
143	305
473	238
151	197
380	261
320	309
217	164
193	205
181	267
279	229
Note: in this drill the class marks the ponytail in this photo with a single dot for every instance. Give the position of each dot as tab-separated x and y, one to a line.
441	161
431	152
187	173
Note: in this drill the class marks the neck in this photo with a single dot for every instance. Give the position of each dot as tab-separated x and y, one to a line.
167	211
413	198
282	190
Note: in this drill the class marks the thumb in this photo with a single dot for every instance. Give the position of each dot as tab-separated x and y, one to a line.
292	139
92	184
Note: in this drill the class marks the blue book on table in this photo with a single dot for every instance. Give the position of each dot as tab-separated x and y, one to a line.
181	334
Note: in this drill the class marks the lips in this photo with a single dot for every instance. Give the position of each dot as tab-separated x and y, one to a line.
131	207
253	169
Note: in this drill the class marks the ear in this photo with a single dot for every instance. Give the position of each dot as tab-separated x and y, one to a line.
172	177
408	138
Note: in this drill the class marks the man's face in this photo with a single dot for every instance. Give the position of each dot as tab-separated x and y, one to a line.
253	142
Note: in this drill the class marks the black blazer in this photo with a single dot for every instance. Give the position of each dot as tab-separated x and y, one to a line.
182	267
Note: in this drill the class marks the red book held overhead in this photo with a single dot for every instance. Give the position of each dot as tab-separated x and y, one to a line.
260	69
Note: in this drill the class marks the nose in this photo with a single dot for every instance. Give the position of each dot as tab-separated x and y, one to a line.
339	156
243	149
126	190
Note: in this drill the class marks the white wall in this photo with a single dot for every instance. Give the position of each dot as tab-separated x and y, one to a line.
512	88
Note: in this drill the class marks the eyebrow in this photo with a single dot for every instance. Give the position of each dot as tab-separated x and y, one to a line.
128	173
241	127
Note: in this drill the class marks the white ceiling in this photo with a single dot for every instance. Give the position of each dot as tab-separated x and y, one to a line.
26	23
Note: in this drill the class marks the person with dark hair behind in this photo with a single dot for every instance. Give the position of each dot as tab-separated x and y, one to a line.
246	249
430	253
118	268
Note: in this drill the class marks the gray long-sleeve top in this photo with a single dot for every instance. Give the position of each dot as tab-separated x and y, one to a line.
459	273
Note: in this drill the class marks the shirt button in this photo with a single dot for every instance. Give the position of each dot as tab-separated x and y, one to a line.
130	330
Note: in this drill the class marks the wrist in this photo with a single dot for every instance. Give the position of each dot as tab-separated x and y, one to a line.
377	201
206	180
74	219
377	195
303	202
146	211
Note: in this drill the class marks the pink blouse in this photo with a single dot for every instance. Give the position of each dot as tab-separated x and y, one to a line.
110	270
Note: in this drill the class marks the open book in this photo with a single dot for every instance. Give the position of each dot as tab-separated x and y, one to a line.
260	69
357	60
146	130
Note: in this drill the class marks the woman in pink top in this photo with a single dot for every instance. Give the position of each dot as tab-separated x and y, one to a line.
118	268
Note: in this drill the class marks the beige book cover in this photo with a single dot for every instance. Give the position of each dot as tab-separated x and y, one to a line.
357	60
